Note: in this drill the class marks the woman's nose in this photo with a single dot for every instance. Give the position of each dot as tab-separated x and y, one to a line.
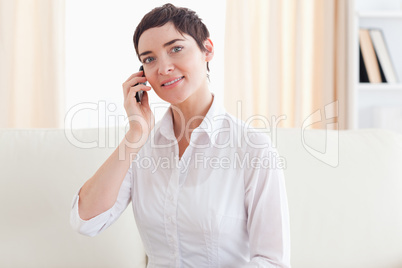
165	67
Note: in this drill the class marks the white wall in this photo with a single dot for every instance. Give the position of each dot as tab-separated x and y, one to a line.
100	55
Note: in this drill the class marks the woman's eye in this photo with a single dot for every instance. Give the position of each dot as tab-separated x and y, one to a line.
177	49
148	60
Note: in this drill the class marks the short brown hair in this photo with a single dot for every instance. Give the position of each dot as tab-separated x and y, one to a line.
185	21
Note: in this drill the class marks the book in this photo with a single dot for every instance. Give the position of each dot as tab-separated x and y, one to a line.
383	55
363	72
369	56
383	79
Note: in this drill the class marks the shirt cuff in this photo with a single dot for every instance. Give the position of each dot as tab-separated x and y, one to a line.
89	227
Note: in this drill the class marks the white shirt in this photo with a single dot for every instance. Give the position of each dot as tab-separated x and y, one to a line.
222	204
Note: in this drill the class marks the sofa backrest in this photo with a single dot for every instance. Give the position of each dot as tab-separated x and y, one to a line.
344	190
345	197
40	172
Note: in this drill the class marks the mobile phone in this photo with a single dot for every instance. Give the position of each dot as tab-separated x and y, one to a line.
138	95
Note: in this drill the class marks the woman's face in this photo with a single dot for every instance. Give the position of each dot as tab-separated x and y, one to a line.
173	63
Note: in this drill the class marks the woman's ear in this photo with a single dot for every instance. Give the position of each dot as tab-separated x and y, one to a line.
209	46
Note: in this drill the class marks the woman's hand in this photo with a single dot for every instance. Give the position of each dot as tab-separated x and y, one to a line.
139	114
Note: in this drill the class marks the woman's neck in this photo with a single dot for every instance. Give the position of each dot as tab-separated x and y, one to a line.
189	114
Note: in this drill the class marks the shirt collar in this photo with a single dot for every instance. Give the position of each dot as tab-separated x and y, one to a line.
211	122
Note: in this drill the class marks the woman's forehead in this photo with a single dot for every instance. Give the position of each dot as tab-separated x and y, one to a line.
158	36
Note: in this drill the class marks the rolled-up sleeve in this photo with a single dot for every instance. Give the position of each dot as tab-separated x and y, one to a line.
268	215
102	221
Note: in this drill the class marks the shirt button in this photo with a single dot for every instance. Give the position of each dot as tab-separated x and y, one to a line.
171	198
169	219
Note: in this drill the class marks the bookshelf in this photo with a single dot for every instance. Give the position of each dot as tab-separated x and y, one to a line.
376	105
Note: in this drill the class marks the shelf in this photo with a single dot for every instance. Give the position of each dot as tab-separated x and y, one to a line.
380	87
380	14
365	97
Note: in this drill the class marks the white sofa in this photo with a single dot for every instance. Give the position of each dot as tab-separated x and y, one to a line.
345	216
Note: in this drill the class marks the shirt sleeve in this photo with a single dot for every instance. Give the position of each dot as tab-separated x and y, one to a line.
102	221
268	215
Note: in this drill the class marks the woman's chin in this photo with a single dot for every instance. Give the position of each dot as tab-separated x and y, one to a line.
175	99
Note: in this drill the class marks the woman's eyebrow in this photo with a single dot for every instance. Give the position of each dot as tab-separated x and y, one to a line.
173	41
165	45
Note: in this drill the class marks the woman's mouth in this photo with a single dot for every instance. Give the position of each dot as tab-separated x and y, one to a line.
173	82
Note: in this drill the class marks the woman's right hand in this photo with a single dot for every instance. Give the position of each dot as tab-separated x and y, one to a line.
140	116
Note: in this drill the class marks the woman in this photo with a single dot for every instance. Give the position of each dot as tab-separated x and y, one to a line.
202	194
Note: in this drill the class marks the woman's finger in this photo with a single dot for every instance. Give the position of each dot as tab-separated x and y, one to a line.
134	75
131	83
134	90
